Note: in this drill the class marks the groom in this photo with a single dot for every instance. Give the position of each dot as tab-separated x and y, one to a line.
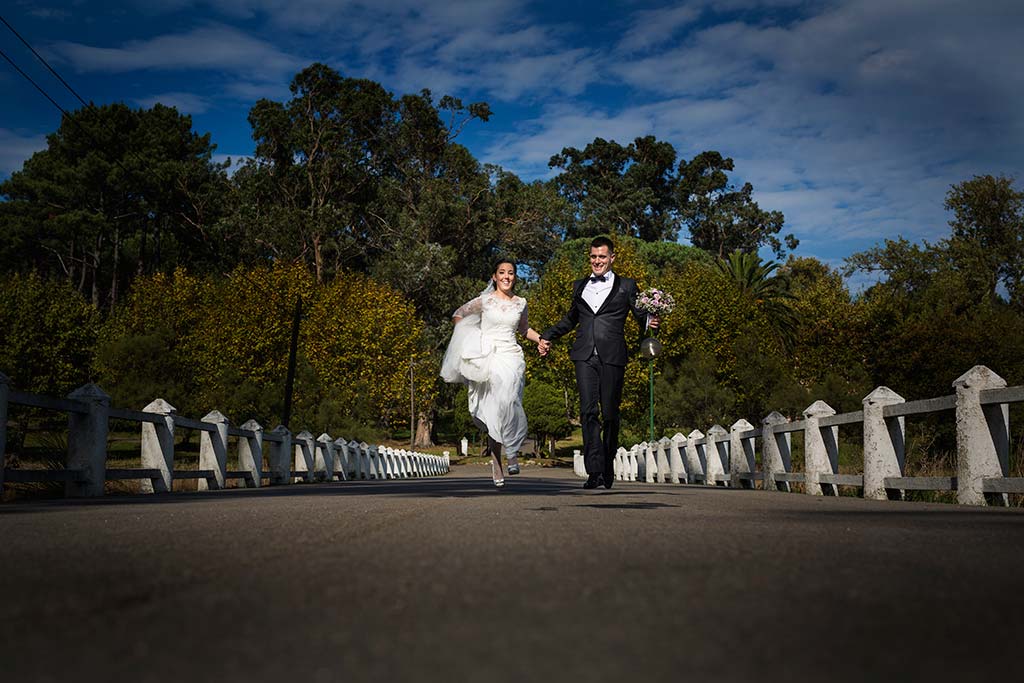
599	306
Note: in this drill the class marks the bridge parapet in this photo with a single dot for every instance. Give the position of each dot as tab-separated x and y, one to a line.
980	407
261	456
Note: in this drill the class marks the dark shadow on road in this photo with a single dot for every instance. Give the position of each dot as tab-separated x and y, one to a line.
626	506
460	487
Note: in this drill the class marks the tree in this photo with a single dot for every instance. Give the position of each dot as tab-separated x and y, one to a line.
318	159
49	331
545	412
721	218
988	232
624	190
117	192
768	289
204	343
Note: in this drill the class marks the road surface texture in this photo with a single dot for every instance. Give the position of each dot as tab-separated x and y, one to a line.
447	579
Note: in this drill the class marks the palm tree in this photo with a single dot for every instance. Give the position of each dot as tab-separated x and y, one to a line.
768	290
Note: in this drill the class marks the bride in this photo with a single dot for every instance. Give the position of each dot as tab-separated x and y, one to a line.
484	355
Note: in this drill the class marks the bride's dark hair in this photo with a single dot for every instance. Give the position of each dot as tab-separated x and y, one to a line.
500	262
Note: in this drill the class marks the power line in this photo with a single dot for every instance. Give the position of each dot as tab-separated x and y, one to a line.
45	63
37	86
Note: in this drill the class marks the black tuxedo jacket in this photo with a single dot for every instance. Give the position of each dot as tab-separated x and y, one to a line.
605	329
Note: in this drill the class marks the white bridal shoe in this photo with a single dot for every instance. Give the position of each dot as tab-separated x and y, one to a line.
496	475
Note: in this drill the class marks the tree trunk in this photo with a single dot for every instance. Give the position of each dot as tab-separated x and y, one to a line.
424	427
318	259
96	273
117	266
553	440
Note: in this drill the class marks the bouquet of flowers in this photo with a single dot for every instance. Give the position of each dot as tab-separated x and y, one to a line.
655	302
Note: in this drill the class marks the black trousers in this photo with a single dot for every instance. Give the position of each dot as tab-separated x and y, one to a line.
600	388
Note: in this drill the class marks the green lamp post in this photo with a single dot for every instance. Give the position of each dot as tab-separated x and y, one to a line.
649	349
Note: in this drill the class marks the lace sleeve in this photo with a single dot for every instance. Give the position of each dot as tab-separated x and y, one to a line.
470	307
524	325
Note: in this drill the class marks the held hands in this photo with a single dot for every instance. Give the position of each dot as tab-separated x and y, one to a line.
543	345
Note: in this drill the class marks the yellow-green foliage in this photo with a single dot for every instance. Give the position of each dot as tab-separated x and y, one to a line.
360	337
224	345
47	332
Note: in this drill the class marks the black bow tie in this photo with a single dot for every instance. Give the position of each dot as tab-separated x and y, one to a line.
598	278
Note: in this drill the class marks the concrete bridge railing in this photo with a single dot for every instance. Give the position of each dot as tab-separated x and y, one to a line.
274	457
980	407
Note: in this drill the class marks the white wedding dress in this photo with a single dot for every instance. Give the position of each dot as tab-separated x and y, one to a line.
484	355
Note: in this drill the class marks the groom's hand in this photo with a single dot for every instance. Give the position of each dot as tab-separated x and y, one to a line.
653	322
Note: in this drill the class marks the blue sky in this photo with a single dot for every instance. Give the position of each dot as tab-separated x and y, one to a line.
852	117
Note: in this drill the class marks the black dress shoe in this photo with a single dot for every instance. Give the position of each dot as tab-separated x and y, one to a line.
592	482
608	479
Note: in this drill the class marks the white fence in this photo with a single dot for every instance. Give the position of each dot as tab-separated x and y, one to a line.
277	456
980	407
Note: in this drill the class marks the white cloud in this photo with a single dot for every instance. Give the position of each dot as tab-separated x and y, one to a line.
652	28
214	47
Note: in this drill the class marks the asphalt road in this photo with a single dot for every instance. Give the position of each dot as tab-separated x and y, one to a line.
448	579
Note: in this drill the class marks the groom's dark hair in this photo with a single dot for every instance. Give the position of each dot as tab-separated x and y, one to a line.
602	241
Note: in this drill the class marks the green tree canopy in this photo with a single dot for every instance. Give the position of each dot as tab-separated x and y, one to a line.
117	192
720	217
625	190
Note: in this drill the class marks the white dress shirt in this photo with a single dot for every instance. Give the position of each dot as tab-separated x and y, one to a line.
594	293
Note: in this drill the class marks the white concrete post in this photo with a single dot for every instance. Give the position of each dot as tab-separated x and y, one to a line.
364	460
633	472
620	464
883	444
375	465
676	466
5	390
982	437
325	456
402	463
717	454
305	464
87	441
694	466
158	447
464	447
820	450
355	454
775	453
213	451
280	456
447	462
250	453
578	465
341	459
664	443
650	462
741	455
